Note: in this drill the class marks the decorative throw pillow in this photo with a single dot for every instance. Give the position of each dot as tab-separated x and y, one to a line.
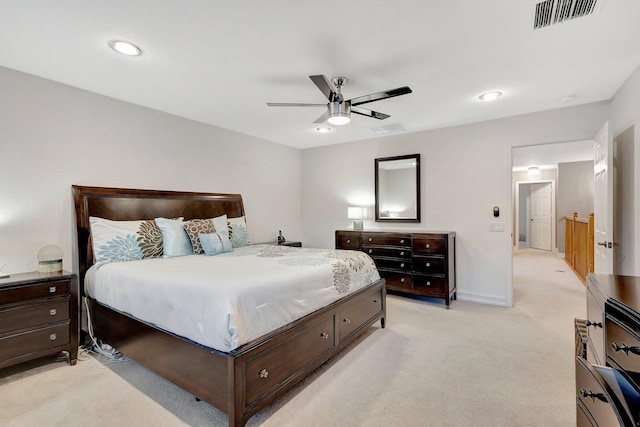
215	243
238	233
221	226
195	227
117	241
175	239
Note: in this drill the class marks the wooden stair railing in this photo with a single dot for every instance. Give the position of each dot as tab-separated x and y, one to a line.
578	244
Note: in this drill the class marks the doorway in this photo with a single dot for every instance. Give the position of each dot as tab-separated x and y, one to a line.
535	213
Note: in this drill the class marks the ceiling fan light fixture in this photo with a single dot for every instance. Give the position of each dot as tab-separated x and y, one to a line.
339	119
339	113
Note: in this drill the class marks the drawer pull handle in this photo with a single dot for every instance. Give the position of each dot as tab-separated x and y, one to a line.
346	321
370	239
402	241
348	241
402	265
625	348
594	324
402	253
428	264
427	246
52	337
375	301
370	251
592	395
52	289
402	280
428	283
53	312
263	373
324	336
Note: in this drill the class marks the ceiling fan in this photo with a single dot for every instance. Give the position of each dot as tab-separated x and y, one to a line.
338	109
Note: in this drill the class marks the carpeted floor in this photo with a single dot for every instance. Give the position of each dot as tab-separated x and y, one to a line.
471	365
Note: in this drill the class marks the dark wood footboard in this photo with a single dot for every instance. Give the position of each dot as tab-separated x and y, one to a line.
243	381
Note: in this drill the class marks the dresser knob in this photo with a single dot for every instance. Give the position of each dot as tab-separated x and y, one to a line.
593	395
52	337
401	253
53	312
263	373
370	251
346	321
402	241
428	264
402	265
402	280
348	241
52	289
428	283
625	348
370	239
324	335
427	246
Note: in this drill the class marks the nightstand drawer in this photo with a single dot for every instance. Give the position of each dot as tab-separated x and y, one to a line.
430	245
387	251
429	265
24	293
34	340
22	317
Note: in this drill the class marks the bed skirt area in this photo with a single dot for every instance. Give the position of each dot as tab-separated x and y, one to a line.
243	381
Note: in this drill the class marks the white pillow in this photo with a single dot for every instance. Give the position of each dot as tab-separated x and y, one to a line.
175	239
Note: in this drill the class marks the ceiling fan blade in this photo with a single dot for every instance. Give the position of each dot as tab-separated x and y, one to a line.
293	104
323	118
325	86
369	113
380	95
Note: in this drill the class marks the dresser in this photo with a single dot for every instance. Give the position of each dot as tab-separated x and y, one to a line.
38	316
412	263
608	356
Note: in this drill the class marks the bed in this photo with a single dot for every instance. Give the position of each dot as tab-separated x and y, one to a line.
237	380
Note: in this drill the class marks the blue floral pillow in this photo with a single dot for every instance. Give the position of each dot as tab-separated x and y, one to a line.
238	233
117	241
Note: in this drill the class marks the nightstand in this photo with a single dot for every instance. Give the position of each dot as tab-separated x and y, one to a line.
38	316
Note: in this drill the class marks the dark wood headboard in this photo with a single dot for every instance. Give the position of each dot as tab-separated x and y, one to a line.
122	204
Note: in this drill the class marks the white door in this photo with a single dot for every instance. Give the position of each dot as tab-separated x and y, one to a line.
541	216
603	201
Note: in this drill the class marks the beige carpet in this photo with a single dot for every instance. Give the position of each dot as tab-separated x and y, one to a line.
472	365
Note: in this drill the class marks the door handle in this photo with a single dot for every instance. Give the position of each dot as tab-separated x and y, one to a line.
602	244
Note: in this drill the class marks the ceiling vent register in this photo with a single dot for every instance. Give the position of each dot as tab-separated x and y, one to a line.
552	12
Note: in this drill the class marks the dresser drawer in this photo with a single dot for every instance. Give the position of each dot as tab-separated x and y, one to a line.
397	281
623	346
430	245
429	284
595	324
45	338
23	317
387	251
267	371
592	391
393	264
346	240
36	291
354	314
429	265
386	239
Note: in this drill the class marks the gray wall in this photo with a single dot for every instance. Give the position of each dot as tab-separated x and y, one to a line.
624	210
574	194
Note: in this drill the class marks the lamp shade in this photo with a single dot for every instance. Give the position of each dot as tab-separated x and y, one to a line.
354	213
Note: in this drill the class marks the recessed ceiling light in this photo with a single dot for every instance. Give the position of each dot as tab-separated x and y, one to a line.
125	48
323	129
490	96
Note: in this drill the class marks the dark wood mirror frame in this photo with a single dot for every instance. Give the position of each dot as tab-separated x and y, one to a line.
378	165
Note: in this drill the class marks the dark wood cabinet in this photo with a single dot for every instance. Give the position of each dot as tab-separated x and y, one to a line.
38	316
412	263
608	354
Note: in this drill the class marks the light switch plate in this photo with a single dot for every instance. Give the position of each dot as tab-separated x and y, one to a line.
496	226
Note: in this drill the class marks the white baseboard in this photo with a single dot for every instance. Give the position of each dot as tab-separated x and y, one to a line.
482	299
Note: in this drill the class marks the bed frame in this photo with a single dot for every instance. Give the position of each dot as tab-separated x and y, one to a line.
244	380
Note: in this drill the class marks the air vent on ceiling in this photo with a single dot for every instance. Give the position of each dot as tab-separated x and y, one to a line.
388	129
551	12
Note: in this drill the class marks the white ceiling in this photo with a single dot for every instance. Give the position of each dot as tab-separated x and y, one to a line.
546	156
219	62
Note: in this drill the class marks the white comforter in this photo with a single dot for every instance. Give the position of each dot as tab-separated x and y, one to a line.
227	300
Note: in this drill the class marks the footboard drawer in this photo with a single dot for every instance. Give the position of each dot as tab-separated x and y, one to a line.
265	372
355	314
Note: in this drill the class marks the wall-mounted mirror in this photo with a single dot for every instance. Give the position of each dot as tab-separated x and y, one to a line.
398	188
